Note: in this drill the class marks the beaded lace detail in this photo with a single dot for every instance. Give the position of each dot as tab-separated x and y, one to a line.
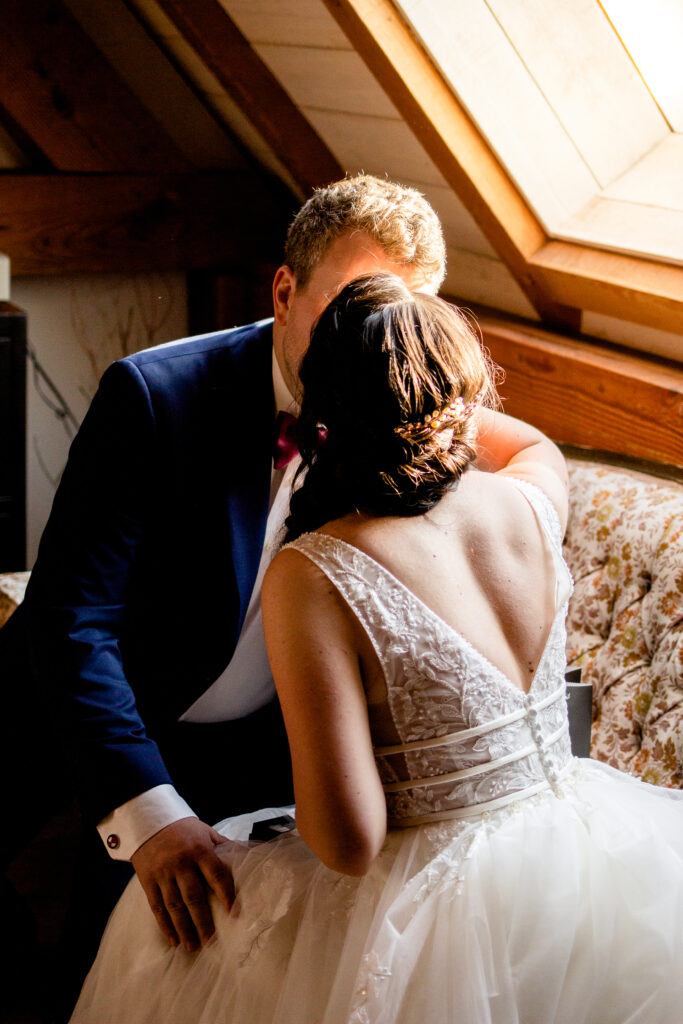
470	739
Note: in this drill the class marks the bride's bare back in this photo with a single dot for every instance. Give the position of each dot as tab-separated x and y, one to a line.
479	560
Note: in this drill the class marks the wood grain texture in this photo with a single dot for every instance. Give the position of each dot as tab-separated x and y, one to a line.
286	22
141	61
67	224
644	291
393	152
56	85
451	139
641	229
473	279
587	79
239	69
647	340
471	46
558	278
335	80
585	394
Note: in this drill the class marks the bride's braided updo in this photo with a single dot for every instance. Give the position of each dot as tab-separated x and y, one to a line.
390	384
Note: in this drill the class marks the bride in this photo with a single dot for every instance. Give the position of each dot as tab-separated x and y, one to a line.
452	862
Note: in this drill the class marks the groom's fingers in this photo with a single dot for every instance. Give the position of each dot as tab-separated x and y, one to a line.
158	907
172	867
187	903
218	876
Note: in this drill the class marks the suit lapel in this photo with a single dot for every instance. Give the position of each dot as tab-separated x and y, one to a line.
244	411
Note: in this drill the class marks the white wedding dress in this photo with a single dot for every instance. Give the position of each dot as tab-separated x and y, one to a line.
518	885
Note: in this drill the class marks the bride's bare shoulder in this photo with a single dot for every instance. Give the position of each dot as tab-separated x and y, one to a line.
288	563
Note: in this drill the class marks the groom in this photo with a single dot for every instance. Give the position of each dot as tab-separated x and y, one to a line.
141	622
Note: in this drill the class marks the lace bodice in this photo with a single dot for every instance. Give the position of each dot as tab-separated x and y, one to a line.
470	739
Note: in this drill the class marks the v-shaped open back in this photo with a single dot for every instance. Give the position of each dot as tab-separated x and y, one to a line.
550	532
499	741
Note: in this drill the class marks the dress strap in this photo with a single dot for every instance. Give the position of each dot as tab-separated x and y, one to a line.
547	516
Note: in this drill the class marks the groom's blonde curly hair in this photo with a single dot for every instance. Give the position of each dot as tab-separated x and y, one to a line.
392	384
399	219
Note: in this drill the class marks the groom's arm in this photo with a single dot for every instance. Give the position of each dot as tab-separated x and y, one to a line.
77	594
176	868
76	608
509	446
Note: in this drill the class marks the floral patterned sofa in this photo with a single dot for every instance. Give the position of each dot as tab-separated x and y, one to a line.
624	546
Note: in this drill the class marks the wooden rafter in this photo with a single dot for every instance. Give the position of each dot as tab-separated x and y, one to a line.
452	140
588	394
75	223
64	96
634	288
225	51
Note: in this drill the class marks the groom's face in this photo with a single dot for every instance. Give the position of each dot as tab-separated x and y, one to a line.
297	308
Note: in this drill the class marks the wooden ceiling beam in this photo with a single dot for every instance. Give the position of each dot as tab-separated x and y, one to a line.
451	139
64	96
589	395
74	223
252	86
630	287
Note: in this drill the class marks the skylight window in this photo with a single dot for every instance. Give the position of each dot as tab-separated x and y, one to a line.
653	36
583	104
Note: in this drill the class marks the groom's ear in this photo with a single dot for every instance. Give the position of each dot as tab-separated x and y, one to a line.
284	286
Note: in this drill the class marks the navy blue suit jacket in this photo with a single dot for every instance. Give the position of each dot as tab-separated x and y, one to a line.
147	563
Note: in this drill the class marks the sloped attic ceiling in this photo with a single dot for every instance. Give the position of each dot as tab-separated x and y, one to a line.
111	161
302	90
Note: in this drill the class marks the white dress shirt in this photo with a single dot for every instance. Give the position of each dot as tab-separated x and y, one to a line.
244	686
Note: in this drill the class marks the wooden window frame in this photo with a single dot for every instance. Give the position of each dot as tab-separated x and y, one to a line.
559	278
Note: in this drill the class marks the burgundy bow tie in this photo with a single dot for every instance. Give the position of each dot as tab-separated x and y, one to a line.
284	447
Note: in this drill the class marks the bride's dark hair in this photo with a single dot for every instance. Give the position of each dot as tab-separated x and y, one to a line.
375	430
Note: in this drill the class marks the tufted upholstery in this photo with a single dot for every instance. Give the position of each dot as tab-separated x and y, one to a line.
624	546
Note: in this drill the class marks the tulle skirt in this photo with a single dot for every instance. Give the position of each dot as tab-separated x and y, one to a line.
563	908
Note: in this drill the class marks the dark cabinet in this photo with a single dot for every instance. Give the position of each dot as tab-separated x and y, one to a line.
12	438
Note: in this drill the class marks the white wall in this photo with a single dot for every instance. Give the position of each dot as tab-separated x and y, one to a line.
77	326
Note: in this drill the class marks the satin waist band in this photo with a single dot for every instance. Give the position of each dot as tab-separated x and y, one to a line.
473	810
477	730
477	769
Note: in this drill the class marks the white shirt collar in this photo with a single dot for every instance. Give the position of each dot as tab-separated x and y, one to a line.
284	401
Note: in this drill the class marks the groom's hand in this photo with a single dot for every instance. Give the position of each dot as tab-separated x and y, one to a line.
177	867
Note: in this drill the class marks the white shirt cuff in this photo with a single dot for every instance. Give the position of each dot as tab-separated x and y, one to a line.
133	823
